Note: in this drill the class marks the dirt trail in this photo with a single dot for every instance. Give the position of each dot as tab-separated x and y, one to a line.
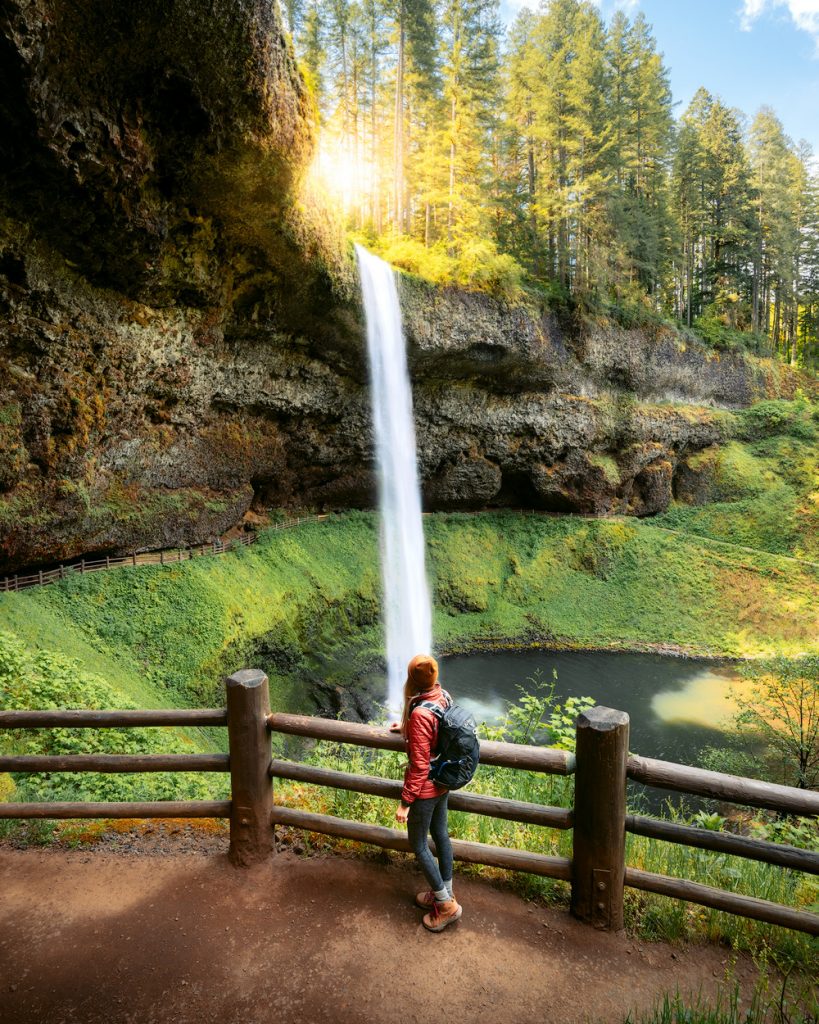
88	937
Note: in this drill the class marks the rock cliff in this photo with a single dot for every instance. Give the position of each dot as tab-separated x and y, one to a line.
181	334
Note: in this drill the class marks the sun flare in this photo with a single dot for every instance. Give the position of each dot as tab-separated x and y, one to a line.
343	174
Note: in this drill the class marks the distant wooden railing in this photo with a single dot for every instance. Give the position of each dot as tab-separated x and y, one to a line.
168	556
601	767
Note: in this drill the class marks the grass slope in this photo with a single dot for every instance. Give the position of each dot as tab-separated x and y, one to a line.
618	584
761	490
165	635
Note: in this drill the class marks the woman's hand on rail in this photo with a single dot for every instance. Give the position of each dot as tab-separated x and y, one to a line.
401	814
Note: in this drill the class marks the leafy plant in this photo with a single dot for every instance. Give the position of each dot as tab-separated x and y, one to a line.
713	822
537	717
781	711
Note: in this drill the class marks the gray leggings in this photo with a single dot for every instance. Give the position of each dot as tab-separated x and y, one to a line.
429	817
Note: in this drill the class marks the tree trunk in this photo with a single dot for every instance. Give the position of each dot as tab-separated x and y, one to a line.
398	155
777	316
451	211
532	182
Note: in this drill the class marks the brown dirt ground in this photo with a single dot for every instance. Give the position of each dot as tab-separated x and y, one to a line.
150	935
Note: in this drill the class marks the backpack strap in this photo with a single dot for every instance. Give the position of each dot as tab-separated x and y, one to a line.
430	705
433	706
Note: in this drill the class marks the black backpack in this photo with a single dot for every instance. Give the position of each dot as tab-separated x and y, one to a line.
458	748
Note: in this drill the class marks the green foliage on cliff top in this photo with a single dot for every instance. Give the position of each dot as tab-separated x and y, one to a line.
477	265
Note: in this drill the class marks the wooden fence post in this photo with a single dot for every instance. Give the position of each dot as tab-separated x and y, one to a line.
251	806
598	860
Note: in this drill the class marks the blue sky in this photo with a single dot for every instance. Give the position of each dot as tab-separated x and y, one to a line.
749	52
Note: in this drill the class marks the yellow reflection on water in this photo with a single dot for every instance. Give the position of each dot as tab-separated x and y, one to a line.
705	700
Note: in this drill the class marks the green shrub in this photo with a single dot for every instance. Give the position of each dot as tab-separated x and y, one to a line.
777	416
36	680
717	332
476	265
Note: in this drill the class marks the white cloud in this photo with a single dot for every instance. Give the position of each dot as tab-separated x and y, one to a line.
629	6
751	10
804	14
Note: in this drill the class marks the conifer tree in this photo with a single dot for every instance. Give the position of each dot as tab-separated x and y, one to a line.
712	194
808	272
294	14
645	154
772	166
469	69
311	46
521	171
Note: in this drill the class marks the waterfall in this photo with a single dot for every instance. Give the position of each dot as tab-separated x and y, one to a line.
407	611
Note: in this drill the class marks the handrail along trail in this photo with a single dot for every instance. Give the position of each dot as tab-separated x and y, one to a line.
167	556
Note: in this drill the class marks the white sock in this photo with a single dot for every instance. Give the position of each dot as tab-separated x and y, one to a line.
442	895
448	887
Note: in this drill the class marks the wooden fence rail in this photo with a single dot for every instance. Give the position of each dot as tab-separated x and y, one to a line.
729	788
393	839
110	719
474	803
724	842
505	755
112	763
597	870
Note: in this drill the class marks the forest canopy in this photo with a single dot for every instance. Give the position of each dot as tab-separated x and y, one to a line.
549	158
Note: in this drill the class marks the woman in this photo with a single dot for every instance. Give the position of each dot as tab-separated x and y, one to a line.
423	802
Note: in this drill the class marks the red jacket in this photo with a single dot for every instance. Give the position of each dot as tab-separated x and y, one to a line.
422	739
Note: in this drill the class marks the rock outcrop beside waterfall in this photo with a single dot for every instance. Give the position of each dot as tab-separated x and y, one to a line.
181	335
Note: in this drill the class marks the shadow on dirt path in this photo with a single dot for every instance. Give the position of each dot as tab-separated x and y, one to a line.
90	937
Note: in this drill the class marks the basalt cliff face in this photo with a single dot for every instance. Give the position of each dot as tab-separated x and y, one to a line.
180	332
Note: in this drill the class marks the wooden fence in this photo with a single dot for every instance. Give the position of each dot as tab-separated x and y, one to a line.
601	766
170	556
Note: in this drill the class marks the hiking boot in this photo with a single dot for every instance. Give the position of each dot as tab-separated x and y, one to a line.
442	914
425	900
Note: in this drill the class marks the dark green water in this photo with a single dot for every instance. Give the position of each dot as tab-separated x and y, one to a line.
675	704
